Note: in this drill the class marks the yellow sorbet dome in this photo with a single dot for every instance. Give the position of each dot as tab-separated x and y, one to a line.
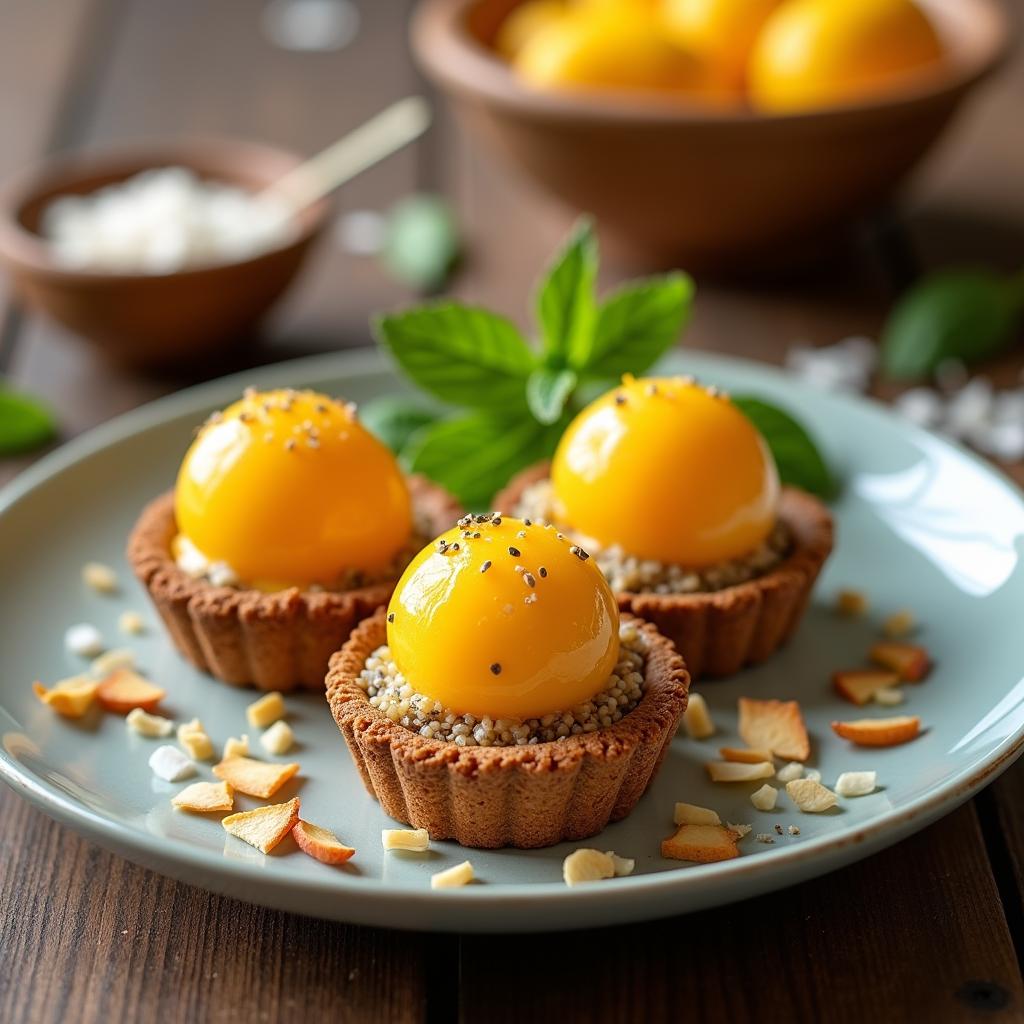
289	489
513	623
666	470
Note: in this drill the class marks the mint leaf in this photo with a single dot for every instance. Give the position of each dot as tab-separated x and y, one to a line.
547	391
25	423
394	420
565	299
799	462
463	355
473	456
637	324
955	314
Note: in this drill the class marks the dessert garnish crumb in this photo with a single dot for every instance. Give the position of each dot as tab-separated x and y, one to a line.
412	840
586	865
100	577
453	877
84	639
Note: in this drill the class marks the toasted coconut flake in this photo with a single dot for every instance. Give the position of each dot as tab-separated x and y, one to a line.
205	798
856	783
740	831
889	696
84	639
879	732
321	843
146	724
99	577
852	603
264	827
691	814
266	711
899	624
745	756
789	772
278	739
255	778
910	662
71	698
131	623
194	739
170	764
704	844
860	685
109	661
413	840
454	877
623	865
734	771
775	725
586	865
236	747
122	690
810	796
765	798
697	718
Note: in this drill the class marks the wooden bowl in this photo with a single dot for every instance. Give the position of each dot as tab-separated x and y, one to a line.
677	183
151	320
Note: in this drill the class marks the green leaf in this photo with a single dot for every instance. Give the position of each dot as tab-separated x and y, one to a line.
547	391
637	324
565	299
394	420
25	423
955	314
473	456
422	243
799	462
463	355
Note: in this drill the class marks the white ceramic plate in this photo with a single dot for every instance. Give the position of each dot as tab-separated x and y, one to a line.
921	524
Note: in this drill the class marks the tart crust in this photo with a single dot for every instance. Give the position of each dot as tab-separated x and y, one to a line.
718	632
526	796
275	641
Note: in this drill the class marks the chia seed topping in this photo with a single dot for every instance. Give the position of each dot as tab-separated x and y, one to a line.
626	572
389	691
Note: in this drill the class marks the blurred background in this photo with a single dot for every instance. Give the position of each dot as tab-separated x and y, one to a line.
804	207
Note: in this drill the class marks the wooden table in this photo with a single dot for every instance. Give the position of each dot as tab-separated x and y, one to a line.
931	930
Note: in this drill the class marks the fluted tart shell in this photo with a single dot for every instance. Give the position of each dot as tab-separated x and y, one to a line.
273	641
718	632
525	796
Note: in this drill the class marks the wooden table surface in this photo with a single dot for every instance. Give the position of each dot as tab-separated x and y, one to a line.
930	930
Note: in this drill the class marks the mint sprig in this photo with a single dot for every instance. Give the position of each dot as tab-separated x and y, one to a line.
797	458
514	397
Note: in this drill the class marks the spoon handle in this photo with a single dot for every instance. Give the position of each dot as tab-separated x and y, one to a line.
385	133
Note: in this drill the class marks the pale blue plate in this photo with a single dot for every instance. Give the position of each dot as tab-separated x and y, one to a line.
921	524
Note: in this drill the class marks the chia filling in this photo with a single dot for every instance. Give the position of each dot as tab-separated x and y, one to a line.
628	573
390	692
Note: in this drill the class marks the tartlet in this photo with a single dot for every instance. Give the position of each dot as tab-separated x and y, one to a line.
719	626
253	631
525	792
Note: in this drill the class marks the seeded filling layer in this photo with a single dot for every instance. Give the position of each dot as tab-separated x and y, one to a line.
389	691
625	572
193	563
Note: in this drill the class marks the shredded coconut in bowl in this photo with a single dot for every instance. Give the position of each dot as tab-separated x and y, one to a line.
164	220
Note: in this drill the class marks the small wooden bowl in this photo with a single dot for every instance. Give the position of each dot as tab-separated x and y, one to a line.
678	183
151	320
